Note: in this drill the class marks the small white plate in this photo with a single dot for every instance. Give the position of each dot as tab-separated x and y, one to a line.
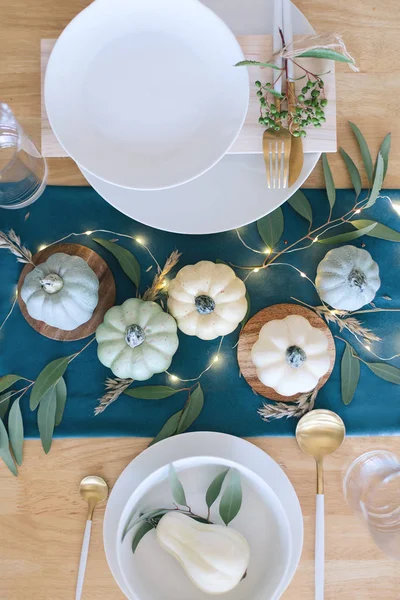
223	446
144	94
152	574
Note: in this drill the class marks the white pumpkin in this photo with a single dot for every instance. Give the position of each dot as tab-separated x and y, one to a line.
62	292
207	300
137	339
290	355
347	278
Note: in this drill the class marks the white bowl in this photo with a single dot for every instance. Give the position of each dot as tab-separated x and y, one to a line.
152	574
143	93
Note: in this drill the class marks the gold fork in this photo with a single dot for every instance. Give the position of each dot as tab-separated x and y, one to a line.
276	150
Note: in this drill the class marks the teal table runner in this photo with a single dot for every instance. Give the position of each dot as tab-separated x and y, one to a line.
230	405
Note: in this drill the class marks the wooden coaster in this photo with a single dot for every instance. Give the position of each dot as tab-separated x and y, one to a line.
106	292
249	336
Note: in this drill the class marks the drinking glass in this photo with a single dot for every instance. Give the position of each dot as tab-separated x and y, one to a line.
372	489
23	170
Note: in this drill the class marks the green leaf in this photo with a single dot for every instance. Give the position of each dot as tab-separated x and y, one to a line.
329	183
385	371
61	398
353	172
255	63
215	487
365	153
301	205
271	228
5	453
169	428
379	231
247	315
126	259
347	237
16	431
139	535
350	374
132	521
178	493
274	93
191	410
4	403
46	418
151	392
378	180
384	151
231	500
48	379
8	380
325	53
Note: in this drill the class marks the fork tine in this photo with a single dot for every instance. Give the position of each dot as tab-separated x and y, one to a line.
286	166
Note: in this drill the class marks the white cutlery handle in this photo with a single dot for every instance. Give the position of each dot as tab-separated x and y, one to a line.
319	547
83	561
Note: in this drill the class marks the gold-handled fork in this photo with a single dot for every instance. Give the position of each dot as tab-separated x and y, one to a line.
276	150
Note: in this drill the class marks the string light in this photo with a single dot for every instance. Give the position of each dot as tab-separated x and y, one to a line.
256	270
174	378
367	346
357	212
139	240
302	274
42	247
267	250
216	358
88	232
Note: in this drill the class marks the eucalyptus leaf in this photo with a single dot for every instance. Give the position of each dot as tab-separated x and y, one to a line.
61	398
215	487
247	315
256	63
379	231
16	431
8	380
48	379
140	533
178	493
274	93
385	371
350	374
347	237
4	403
365	153
126	259
271	228
46	418
325	53
384	151
378	181
5	453
169	428
191	410
132	521
231	500
151	392
301	205
329	183
353	172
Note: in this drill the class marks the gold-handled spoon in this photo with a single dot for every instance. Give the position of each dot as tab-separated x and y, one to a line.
319	433
93	490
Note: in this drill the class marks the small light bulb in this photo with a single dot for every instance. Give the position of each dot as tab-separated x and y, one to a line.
139	240
216	358
358	211
42	247
302	274
256	270
315	239
88	232
16	292
173	378
267	250
396	207
368	347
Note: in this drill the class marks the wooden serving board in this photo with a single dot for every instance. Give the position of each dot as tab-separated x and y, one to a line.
249	336
249	141
106	292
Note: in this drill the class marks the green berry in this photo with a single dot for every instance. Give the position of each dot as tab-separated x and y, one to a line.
315	94
307	102
261	121
304	90
277	128
299	110
315	122
304	122
318	125
284	114
257	83
322	120
324	102
271	122
263	101
259	93
303	133
310	84
266	121
268	85
301	98
320	84
296	133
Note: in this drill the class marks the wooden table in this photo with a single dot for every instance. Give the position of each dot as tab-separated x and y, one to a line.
41	514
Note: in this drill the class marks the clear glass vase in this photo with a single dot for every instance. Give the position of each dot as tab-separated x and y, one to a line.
23	170
372	489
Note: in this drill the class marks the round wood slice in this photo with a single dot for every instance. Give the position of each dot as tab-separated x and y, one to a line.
106	292
249	336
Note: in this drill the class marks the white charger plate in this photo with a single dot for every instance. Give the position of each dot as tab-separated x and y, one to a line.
234	192
143	93
189	445
152	574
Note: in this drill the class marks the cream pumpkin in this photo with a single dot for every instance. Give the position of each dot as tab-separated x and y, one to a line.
137	339
207	300
290	355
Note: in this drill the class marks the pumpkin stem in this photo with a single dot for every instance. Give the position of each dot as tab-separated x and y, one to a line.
52	283
295	356
204	304
134	336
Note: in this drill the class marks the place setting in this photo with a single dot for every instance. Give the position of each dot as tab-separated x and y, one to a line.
194	295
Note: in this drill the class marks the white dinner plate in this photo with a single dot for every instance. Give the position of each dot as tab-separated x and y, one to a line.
152	574
223	446
234	192
143	93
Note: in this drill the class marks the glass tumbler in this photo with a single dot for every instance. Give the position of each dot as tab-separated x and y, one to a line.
23	170
372	489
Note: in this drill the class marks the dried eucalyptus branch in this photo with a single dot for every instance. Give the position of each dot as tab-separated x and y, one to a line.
114	388
12	242
280	410
159	283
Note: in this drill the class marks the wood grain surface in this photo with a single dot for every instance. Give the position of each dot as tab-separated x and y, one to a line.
42	519
249	336
106	292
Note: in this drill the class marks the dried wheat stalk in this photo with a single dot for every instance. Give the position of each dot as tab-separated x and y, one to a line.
280	410
12	242
342	319
114	388
158	285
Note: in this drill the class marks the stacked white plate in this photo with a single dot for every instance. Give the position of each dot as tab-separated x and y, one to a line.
270	517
